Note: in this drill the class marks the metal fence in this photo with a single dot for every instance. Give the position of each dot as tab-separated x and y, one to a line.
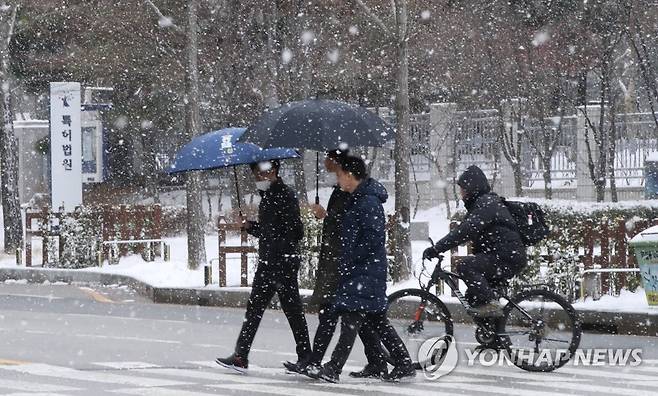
420	131
476	141
637	137
563	160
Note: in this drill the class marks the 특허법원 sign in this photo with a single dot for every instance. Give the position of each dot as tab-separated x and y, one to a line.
65	146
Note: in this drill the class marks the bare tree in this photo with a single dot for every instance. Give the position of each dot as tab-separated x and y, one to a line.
511	130
399	37
544	142
607	21
11	211
545	132
196	246
599	152
432	154
636	34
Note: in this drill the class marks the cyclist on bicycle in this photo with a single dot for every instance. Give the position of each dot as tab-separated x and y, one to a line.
498	250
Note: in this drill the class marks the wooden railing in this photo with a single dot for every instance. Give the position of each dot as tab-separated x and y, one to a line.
137	222
244	250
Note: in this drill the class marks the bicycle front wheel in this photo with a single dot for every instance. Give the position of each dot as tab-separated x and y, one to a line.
541	330
417	316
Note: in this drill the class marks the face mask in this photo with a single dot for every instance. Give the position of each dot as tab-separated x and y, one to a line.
263	185
331	178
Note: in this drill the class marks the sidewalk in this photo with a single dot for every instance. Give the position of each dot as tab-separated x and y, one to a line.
631	322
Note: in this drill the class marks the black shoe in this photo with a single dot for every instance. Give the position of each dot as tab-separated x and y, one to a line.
328	373
299	367
370	371
313	371
400	372
234	362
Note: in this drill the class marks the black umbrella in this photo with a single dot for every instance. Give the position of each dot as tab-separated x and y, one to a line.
318	124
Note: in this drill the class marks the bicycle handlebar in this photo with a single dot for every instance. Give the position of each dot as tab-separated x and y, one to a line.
434	277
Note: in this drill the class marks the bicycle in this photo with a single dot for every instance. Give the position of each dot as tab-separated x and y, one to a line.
522	331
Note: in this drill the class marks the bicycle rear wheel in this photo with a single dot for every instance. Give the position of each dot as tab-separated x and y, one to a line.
540	329
417	316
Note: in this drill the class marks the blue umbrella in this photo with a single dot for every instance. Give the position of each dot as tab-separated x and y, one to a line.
220	149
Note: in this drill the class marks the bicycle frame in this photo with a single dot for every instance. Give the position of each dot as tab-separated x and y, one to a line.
452	279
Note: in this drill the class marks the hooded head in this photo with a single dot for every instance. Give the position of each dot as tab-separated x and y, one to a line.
474	183
372	187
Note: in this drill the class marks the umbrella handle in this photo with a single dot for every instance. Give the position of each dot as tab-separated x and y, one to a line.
237	190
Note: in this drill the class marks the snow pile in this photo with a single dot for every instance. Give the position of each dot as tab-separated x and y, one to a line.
627	301
648	235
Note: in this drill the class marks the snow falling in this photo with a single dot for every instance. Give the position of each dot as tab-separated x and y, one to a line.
165	162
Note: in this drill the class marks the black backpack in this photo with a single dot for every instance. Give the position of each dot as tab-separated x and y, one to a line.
530	221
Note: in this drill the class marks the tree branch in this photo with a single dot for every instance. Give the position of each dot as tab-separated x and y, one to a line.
373	16
12	24
162	16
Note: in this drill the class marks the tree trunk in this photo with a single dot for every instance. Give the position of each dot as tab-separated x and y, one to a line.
401	153
518	179
511	145
612	148
602	163
548	184
196	246
11	211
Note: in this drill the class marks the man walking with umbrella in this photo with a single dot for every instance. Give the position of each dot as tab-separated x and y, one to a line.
326	282
279	230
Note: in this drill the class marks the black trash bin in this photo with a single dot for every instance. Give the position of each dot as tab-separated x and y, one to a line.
651	177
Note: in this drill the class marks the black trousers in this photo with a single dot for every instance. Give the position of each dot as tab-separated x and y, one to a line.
478	270
328	319
351	323
284	283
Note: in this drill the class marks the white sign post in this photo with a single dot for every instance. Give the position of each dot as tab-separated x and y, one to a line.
65	146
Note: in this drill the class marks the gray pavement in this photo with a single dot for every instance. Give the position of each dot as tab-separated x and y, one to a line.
104	340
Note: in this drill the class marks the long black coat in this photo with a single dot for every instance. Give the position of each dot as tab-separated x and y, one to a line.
488	223
326	279
279	228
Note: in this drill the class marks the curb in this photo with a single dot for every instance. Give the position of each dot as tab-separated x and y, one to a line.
627	323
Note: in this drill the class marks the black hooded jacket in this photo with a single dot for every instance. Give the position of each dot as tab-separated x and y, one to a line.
279	228
488	224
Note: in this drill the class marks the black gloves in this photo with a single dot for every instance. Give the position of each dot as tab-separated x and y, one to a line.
430	253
